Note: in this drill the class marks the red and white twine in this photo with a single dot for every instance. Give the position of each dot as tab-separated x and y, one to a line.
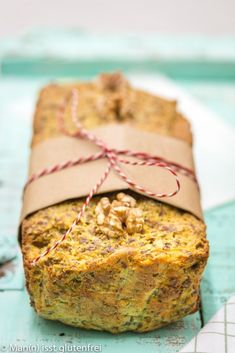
114	161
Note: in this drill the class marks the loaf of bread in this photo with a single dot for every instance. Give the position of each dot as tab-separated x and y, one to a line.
132	263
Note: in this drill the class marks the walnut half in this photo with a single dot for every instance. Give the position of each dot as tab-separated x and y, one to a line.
120	215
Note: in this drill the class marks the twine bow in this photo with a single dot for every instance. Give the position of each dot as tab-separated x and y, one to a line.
114	159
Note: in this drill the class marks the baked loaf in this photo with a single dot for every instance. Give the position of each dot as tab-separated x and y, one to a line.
132	263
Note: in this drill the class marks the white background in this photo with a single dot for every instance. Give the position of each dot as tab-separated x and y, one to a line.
177	16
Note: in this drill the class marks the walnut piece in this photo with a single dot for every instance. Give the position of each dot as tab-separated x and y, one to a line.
102	209
126	199
120	215
113	81
134	221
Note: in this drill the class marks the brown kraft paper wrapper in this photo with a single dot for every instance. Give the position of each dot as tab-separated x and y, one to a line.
75	182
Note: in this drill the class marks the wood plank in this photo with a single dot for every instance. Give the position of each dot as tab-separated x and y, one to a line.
74	52
219	279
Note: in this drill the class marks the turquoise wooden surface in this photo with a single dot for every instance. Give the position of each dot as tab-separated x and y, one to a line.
18	322
74	52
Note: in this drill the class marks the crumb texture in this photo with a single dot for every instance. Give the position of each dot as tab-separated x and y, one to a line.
132	263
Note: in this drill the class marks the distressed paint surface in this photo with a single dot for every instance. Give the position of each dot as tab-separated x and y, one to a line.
18	322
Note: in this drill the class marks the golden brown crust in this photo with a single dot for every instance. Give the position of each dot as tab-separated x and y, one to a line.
115	279
99	105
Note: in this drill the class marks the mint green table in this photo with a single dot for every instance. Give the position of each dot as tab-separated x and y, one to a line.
19	83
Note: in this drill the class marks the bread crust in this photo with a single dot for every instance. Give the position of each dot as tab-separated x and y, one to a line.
130	282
